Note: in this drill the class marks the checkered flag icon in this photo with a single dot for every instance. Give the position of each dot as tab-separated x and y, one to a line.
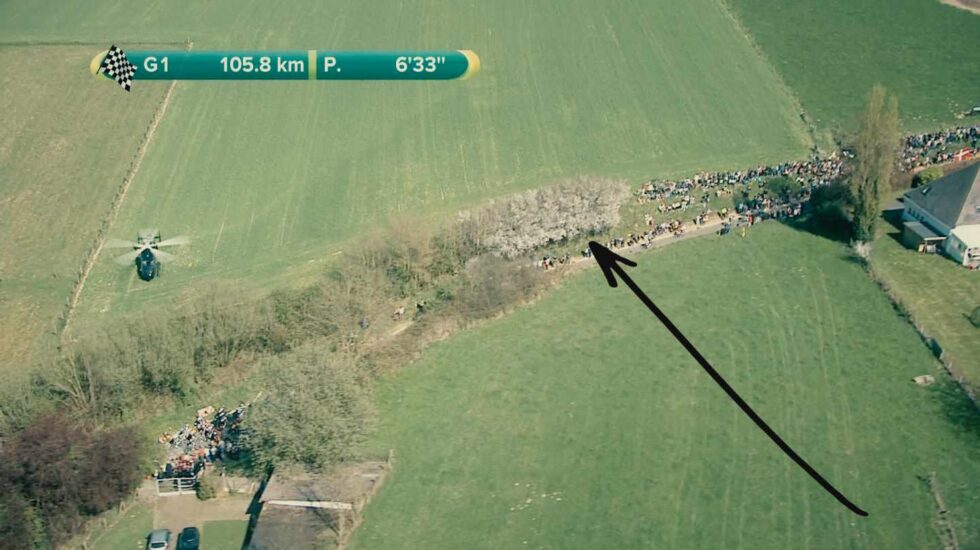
118	67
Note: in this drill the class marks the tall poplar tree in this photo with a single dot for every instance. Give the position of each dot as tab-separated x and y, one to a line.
876	145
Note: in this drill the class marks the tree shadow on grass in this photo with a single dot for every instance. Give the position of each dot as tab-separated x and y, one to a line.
830	221
960	411
893	217
897	237
837	232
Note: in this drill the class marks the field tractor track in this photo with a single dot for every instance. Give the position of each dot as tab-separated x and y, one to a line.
117	203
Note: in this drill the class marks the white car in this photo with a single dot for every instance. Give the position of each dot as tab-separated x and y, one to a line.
159	539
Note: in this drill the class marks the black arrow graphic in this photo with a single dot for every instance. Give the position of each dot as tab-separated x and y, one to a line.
609	262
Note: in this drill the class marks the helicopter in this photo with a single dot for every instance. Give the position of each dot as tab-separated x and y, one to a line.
146	253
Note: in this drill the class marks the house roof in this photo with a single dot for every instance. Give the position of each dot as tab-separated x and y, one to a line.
295	528
923	231
343	485
953	199
969	234
304	487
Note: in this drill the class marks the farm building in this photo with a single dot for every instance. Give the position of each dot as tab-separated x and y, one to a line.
945	215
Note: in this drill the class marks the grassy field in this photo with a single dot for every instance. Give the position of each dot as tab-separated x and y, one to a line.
268	178
831	52
132	529
223	535
65	145
580	423
130	532
939	294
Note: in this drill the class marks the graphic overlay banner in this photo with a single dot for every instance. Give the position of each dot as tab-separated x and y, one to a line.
293	65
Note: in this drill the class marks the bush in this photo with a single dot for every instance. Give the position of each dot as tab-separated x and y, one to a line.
401	255
19	405
927	175
444	293
783	187
55	473
494	284
975	317
19	528
315	410
455	246
829	205
523	222
108	373
205	488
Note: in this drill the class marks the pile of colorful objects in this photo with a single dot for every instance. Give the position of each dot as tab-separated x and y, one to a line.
213	436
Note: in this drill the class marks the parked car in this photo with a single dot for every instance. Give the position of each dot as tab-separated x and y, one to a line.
159	539
189	539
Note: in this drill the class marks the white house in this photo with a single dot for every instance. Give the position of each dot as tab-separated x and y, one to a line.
946	213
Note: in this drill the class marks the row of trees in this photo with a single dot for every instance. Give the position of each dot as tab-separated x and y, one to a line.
462	272
317	406
110	372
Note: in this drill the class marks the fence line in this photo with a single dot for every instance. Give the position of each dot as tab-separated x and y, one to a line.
944	522
931	343
94	251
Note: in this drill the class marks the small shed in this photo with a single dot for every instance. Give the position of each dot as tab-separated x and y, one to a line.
917	236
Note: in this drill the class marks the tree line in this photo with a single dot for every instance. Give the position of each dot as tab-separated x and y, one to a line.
70	443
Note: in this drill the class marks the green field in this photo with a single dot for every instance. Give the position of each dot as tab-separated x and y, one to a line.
943	311
223	535
578	422
129	532
268	178
65	146
831	52
585	398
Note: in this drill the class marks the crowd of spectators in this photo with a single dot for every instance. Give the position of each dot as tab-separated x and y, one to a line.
679	195
930	148
213	436
672	197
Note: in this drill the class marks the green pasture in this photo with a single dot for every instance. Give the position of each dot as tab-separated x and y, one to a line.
579	422
939	294
271	178
127	531
223	535
66	141
831	52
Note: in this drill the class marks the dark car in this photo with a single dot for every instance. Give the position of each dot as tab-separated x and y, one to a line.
189	539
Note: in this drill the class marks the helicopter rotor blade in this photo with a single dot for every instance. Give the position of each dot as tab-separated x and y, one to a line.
163	257
127	258
119	243
175	241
